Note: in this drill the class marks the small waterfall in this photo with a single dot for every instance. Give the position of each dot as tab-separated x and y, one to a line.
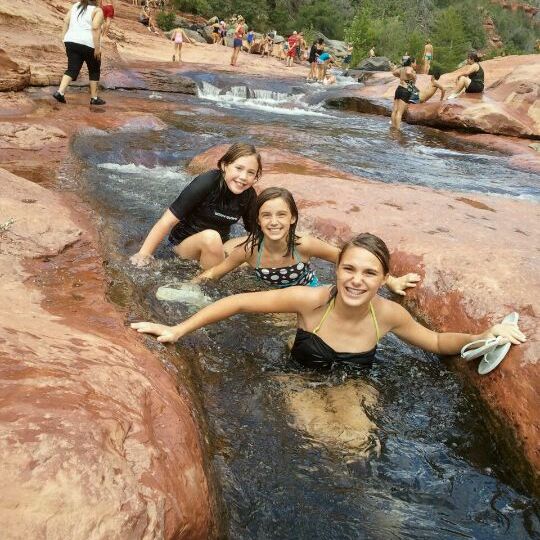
258	98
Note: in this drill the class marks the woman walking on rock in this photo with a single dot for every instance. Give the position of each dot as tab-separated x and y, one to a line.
81	35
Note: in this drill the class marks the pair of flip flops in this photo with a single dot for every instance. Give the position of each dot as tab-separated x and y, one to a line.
492	351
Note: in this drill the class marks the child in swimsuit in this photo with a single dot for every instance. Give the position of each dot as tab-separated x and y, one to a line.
340	323
199	221
279	257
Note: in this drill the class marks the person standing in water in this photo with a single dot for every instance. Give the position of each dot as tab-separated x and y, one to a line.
317	48
81	35
428	56
472	79
198	222
238	40
342	323
280	257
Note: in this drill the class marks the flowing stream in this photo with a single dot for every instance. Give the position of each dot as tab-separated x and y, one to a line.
438	473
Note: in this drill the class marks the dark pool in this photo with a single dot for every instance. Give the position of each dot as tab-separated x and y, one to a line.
439	473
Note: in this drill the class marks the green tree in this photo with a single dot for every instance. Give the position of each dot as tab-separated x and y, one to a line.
449	39
322	16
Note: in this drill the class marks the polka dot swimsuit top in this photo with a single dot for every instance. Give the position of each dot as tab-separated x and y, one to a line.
286	276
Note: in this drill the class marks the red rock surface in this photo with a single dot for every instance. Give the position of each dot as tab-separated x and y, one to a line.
96	439
510	104
478	256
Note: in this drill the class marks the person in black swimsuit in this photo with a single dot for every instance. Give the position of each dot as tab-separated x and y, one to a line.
198	222
340	323
471	81
280	257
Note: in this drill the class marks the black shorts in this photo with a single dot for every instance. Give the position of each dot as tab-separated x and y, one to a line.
474	88
77	55
403	94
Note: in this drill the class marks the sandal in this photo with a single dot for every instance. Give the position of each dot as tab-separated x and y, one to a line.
492	359
478	348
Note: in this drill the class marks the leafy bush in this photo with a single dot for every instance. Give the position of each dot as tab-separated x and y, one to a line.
165	20
199	7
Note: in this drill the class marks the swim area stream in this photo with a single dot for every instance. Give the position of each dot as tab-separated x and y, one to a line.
428	466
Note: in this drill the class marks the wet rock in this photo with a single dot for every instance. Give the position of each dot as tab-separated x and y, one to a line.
508	106
186	293
377	63
143	122
96	439
464	287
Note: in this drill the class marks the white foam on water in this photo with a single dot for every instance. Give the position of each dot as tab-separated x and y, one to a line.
169	173
261	100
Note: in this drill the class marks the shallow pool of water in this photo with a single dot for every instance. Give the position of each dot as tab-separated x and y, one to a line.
438	473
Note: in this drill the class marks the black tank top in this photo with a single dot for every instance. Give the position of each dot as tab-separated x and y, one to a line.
478	76
312	352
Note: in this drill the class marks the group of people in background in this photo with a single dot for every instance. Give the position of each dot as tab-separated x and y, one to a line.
469	80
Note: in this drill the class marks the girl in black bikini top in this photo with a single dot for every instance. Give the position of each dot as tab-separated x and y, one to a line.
312	352
349	319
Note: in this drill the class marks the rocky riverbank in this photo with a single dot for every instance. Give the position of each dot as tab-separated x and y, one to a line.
97	435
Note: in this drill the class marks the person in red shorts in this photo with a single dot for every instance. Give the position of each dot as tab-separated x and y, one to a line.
107	6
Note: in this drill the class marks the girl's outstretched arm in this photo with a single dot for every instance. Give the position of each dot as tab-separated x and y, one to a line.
158	232
446	343
238	256
291	300
314	247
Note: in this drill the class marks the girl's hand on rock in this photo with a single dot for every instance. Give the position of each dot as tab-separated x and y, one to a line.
398	285
510	333
165	334
140	259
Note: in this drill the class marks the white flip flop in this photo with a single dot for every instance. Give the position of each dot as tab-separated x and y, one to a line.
478	348
492	359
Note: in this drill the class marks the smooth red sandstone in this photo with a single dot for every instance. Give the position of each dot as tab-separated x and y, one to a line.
510	104
478	256
96	440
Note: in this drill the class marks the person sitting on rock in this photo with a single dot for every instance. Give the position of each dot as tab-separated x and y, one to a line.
280	257
407	92
198	222
340	324
471	80
215	33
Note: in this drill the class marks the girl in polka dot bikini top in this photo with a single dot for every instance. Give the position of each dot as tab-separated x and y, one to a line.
277	254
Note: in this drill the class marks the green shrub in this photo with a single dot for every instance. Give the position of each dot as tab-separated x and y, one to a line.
165	20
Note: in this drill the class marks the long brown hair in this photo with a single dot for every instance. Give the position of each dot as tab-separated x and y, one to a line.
238	150
256	235
371	243
83	4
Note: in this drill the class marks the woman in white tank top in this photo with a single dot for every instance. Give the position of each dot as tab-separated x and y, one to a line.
81	36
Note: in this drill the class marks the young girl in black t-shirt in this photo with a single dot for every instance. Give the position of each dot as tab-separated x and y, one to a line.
198	222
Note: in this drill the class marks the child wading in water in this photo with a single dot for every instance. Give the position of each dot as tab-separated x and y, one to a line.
280	257
199	221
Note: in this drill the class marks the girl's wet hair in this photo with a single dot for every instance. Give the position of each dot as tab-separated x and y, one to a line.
256	235
370	243
473	55
238	150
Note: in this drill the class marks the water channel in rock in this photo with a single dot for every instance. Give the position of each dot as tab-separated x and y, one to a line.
439	474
